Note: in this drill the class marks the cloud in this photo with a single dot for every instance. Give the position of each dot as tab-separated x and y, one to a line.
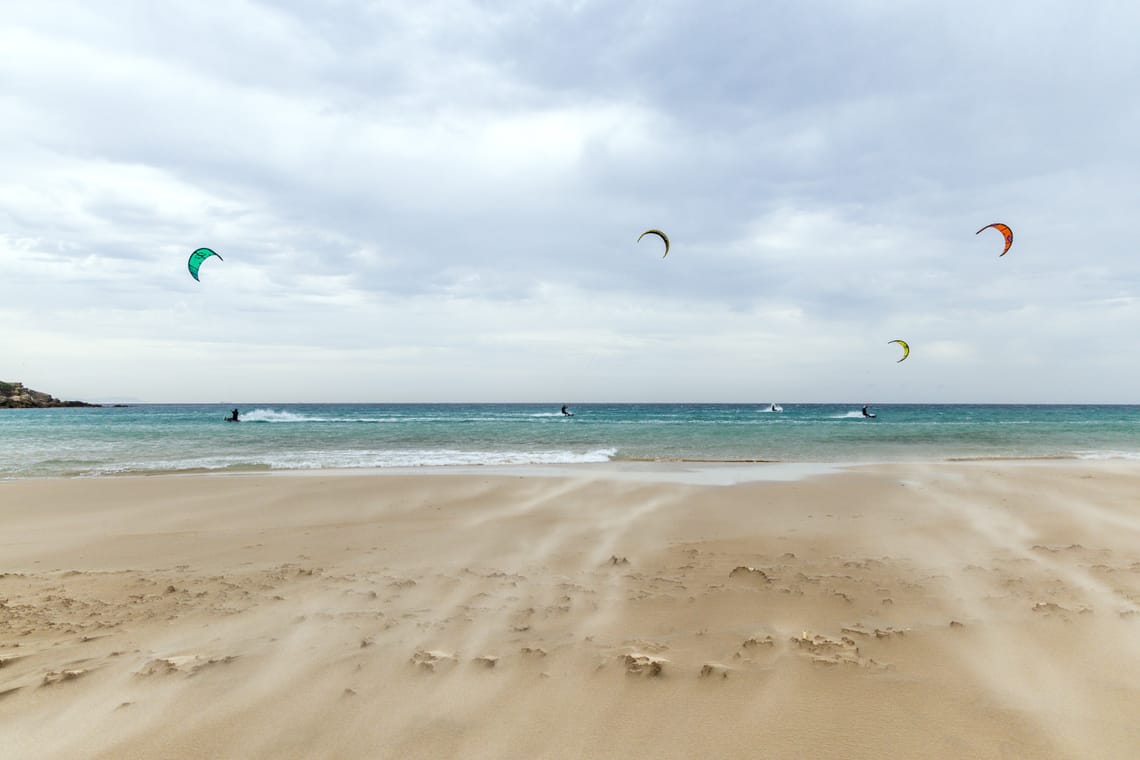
455	190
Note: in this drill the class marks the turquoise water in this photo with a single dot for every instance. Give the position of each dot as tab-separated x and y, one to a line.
193	437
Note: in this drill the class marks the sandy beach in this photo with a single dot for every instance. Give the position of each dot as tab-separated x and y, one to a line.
980	609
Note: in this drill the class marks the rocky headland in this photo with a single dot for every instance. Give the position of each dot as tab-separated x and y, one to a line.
16	396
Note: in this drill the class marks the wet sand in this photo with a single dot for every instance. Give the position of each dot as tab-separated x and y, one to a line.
983	610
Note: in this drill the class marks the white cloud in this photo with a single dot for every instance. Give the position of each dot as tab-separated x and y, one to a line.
441	200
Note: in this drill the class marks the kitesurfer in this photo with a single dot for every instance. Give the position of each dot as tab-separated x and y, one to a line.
865	412
568	414
233	416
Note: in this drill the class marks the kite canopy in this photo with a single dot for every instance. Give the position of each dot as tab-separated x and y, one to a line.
905	348
197	258
1006	232
659	234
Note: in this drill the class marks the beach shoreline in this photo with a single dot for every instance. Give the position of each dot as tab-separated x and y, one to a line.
694	471
588	610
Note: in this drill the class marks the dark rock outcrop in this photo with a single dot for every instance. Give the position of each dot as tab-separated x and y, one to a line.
16	396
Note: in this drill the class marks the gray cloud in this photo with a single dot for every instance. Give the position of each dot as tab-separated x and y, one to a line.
454	190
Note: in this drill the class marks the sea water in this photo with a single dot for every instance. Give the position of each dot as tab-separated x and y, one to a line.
193	437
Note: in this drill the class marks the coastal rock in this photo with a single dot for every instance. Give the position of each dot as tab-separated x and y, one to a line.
16	396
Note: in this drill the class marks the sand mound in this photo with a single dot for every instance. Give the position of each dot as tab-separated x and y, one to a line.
187	664
433	660
640	664
750	573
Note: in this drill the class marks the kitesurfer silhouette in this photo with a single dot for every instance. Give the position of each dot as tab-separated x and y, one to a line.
865	412
233	416
568	414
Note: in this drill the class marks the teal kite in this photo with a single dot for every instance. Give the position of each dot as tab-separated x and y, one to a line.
197	258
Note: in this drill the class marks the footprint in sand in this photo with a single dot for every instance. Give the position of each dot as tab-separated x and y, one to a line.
752	647
1049	608
189	664
640	664
6	661
750	573
828	651
715	670
433	660
53	677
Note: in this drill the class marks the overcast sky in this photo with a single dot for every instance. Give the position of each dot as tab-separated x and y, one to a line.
441	200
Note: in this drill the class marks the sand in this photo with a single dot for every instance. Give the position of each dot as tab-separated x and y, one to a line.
981	610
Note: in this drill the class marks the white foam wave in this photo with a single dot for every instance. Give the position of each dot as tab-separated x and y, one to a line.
1108	454
847	416
273	415
316	460
435	458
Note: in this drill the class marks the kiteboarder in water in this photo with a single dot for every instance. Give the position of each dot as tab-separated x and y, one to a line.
568	414
233	416
865	412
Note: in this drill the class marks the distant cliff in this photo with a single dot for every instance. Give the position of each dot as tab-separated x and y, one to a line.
16	396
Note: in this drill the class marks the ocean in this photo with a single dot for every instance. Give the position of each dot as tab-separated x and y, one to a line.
152	438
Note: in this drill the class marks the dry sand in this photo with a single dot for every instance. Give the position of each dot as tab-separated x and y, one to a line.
959	610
